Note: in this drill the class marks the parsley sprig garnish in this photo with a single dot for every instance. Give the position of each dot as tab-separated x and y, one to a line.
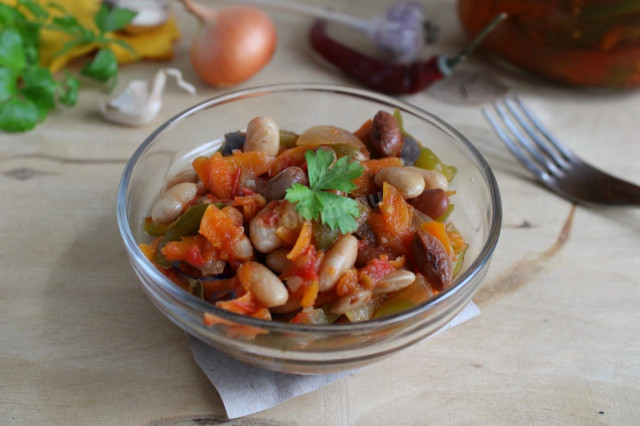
28	91
316	201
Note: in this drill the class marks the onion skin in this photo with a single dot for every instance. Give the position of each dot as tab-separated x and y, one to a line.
232	45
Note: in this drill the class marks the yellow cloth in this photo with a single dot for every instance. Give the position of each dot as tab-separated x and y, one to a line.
156	43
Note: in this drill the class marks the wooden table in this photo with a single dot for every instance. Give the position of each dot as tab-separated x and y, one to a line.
557	340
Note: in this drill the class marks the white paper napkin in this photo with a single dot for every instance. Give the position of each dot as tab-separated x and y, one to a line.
245	389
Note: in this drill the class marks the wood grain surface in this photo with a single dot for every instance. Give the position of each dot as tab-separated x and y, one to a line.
556	343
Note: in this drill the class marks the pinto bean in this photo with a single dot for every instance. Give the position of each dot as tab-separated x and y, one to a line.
410	150
263	284
341	257
170	204
263	135
277	186
431	259
394	281
432	178
277	260
373	251
351	301
386	136
432	202
409	183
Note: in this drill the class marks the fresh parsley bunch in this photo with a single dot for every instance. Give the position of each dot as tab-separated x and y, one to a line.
28	90
316	200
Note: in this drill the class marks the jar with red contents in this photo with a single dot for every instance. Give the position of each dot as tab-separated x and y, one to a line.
581	42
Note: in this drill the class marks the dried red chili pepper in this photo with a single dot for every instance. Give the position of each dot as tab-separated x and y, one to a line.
388	77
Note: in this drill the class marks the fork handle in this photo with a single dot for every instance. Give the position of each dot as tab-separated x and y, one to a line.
620	192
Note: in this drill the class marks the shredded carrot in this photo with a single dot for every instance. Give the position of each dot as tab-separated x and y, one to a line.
148	251
220	230
309	294
200	166
437	229
398	263
392	226
245	305
364	131
290	157
287	235
303	241
220	176
347	282
458	243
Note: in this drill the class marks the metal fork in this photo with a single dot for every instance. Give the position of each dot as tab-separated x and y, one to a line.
557	167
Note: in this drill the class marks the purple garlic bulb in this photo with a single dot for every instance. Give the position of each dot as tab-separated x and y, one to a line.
399	33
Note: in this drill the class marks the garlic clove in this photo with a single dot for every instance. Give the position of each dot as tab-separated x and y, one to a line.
140	102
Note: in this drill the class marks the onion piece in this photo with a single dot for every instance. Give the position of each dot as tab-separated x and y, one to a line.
232	44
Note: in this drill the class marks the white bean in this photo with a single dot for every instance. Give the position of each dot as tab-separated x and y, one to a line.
242	248
263	234
351	301
432	178
170	204
277	260
263	135
293	304
263	284
409	183
188	175
394	281
213	267
340	258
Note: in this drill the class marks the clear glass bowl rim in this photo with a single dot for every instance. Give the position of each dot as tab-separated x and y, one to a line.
199	305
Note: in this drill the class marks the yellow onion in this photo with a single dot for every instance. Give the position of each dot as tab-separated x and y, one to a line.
232	43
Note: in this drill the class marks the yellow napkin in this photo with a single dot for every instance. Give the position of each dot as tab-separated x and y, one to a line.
156	43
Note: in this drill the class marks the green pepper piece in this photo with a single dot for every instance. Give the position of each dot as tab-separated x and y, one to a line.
392	306
323	236
443	218
430	161
288	138
398	117
344	149
154	229
365	311
187	224
320	316
458	265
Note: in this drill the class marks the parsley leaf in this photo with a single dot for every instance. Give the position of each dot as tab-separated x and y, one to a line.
11	50
34	8
39	86
112	19
8	83
315	201
69	95
102	67
18	115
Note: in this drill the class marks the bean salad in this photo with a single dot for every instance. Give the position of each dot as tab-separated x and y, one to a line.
318	227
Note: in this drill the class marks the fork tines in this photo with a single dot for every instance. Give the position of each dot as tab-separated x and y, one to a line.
529	140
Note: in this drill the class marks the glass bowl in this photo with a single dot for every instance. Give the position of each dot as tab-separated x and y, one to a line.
298	348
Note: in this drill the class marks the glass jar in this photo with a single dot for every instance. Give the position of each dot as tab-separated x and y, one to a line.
580	42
